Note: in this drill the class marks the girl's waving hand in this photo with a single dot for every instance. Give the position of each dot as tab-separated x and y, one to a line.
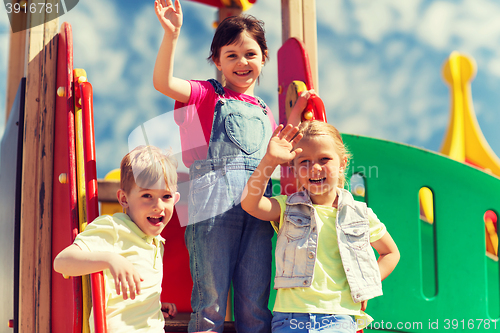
170	17
279	151
280	146
164	81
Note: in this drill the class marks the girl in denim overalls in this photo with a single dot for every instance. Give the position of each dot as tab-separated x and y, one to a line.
325	267
224	133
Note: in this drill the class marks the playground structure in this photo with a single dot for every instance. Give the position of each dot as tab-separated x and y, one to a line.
464	142
444	272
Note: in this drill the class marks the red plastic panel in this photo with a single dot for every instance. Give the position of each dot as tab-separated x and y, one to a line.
177	283
214	3
66	293
96	279
293	65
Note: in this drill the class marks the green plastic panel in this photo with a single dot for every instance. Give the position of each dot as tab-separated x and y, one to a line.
466	280
446	259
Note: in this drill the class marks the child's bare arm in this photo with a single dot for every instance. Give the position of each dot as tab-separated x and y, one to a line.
73	261
170	18
388	255
278	152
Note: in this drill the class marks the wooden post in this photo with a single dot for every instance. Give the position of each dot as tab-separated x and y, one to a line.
291	20
299	21
36	188
310	38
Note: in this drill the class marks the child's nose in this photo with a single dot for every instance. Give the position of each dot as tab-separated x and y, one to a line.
316	167
157	204
243	61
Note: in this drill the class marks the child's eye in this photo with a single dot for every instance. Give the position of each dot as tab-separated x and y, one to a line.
167	196
251	54
146	195
304	161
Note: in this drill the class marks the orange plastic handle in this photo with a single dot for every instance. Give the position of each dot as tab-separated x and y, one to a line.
315	109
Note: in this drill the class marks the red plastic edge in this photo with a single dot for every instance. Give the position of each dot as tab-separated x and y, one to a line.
67	293
96	279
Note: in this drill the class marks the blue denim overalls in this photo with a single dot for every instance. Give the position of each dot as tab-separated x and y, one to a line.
224	242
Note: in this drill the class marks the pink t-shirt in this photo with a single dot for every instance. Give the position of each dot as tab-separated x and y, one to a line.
196	126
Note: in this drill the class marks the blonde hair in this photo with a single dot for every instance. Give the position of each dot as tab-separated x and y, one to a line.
315	128
144	166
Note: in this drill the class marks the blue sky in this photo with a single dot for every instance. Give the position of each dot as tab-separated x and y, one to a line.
379	65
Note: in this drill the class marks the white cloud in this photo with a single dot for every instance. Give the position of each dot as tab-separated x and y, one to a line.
494	66
374	19
334	14
468	25
436	24
99	44
380	63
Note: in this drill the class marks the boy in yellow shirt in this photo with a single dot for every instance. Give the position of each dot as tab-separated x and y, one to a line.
128	247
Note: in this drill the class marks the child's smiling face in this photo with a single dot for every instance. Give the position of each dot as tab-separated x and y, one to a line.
150	209
241	64
318	167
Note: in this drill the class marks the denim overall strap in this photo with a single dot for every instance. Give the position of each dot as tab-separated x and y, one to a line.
219	89
222	239
238	129
262	105
238	141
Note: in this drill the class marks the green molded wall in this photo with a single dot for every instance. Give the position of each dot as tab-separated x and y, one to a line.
444	276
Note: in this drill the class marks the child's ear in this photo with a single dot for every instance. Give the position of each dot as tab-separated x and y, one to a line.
177	197
217	63
122	198
343	164
264	57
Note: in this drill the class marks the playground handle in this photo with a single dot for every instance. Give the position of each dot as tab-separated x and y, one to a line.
96	279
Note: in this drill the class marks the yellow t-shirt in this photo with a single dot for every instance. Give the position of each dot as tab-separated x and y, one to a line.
329	292
119	234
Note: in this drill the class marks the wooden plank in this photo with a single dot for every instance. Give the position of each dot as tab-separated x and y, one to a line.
17	61
310	38
107	190
35	252
299	21
291	18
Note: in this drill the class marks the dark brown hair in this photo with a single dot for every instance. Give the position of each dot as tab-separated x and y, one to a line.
230	31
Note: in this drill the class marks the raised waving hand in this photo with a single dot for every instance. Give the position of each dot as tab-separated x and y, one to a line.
279	150
170	16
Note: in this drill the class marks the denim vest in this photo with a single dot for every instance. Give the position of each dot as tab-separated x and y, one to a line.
298	238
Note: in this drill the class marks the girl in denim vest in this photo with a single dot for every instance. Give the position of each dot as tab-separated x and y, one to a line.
224	132
325	267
